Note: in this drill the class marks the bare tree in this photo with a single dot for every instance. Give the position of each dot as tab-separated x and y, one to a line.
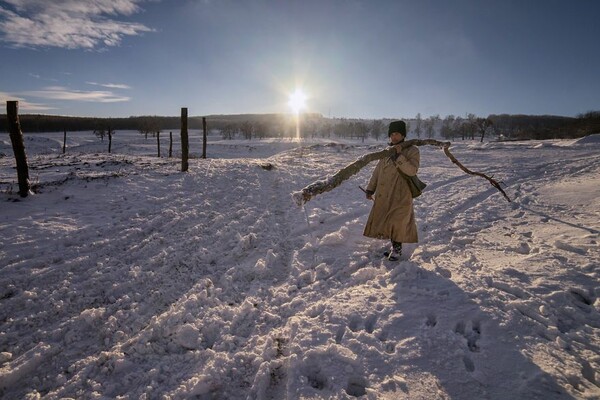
326	129
460	127
471	125
377	129
435	119
341	129
228	131
261	129
103	130
100	131
308	128
429	125
110	134
447	131
419	125
149	126
360	130
247	129
483	126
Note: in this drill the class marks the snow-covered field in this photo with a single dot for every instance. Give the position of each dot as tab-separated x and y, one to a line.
126	278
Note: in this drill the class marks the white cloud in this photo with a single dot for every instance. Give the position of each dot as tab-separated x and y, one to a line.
40	77
62	93
68	24
24	105
110	85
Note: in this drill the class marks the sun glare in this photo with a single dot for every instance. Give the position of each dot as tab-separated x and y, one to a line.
297	101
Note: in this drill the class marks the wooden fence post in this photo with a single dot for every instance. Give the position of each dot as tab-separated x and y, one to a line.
16	138
170	144
109	140
184	140
204	137
65	142
158	142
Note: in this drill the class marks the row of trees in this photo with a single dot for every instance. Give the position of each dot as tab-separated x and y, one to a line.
54	123
520	127
450	128
260	126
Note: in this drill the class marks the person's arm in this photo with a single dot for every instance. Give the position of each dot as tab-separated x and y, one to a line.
409	161
373	182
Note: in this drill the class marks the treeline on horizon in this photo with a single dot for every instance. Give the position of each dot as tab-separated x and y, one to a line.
249	126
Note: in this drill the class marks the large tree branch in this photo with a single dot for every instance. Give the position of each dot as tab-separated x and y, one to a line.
333	181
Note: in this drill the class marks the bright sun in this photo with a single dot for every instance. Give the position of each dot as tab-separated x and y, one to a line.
297	101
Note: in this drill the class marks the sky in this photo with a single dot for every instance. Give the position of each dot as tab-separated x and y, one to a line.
352	58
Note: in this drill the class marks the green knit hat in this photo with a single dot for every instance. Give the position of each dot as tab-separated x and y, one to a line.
397	126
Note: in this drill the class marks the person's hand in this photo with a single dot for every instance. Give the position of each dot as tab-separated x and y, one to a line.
398	148
400	158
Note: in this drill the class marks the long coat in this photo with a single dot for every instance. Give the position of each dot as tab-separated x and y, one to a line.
392	216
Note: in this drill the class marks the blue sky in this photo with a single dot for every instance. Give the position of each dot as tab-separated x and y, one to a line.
353	58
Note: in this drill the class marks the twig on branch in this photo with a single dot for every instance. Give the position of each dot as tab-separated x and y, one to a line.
492	181
333	181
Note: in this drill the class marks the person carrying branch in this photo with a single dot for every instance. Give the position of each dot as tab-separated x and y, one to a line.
392	216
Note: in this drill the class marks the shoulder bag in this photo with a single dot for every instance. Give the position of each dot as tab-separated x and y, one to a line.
415	185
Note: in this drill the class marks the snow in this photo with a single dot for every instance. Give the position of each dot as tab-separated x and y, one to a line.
126	278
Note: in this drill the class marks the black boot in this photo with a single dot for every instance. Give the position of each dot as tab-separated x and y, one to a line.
395	252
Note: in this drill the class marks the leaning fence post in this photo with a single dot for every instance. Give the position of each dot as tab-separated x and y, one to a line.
16	138
184	140
204	137
65	142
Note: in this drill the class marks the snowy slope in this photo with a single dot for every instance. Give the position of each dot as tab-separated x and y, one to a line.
126	278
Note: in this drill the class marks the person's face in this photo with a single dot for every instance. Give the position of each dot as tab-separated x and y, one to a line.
396	137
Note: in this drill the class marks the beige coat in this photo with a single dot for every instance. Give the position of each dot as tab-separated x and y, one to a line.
392	216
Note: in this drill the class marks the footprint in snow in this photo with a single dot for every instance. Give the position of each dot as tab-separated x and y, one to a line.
340	334
370	322
471	333
583	300
357	386
431	321
382	335
356	323
281	347
317	378
588	372
469	365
